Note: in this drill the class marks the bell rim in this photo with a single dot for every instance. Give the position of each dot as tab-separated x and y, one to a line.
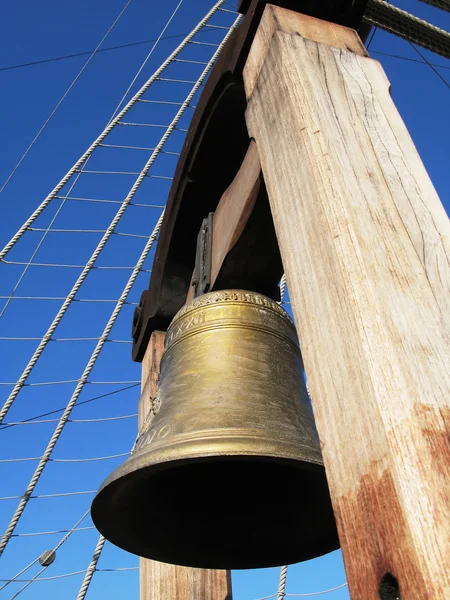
103	497
216	448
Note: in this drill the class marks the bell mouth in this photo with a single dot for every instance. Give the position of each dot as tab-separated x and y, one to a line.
229	512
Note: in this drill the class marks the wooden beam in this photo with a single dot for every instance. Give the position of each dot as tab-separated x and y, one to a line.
365	243
233	212
161	581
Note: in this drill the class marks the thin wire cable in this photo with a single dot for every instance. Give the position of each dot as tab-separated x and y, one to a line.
64	460
58	545
108	130
46	456
282	583
48	335
426	61
420	62
93	564
60	495
99	420
148	57
63	97
310	594
57	410
66	414
38	533
64	575
118	47
48	578
339	587
17	575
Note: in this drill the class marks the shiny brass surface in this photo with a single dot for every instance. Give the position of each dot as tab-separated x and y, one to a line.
227	472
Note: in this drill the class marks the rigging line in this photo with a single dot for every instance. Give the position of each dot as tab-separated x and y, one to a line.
401	23
108	129
62	494
91	568
58	545
52	412
81	170
80	72
282	584
371	37
101	541
99	420
442	4
67	381
426	61
49	334
420	62
64	460
116	570
108	233
49	578
71	266
147	57
94	560
118	47
71	404
34	533
339	587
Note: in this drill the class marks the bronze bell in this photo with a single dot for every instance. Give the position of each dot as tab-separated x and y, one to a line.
228	472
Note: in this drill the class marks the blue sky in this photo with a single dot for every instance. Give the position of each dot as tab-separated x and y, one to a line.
31	32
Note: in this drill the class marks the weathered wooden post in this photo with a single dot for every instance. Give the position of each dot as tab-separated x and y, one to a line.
365	244
162	581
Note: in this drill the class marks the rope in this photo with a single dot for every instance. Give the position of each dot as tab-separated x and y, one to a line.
91	569
399	22
442	4
282	584
65	416
48	335
93	53
283	283
108	130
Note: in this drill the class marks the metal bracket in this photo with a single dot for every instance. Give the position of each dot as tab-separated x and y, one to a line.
201	279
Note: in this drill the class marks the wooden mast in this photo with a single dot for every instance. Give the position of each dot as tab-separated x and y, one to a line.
161	581
365	244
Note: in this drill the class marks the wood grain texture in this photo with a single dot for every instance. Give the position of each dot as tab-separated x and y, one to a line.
365	243
161	581
234	209
232	212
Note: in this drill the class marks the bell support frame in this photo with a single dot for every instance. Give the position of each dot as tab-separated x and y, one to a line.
214	150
